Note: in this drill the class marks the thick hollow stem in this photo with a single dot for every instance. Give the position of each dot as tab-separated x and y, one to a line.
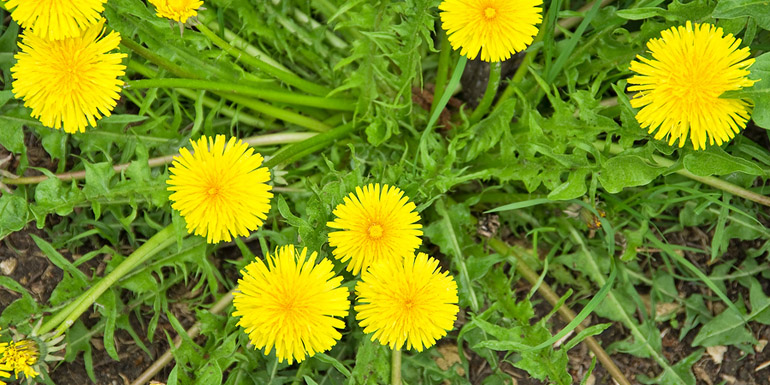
67	316
443	69
495	71
395	367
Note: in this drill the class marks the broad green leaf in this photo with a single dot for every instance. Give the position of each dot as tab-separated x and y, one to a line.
715	161
728	328
760	92
681	373
574	187
627	171
13	214
757	9
12	135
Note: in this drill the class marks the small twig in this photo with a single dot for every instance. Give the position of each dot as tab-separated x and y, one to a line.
192	332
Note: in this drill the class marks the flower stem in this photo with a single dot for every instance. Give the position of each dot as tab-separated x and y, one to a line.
443	69
67	316
286	77
495	72
395	367
709	180
269	95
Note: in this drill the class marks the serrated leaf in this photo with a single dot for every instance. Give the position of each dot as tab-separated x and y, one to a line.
757	9
487	133
98	177
13	214
372	364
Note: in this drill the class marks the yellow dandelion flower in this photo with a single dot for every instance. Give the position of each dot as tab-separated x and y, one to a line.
69	83
680	87
377	224
220	188
291	303
55	19
409	302
20	357
177	10
496	28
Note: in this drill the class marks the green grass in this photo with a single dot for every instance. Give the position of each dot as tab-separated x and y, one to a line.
594	213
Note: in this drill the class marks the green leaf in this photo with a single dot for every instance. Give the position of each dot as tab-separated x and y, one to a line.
757	9
13	214
210	374
715	161
108	306
12	135
574	187
627	171
98	176
727	328
760	92
640	13
487	133
372	364
681	373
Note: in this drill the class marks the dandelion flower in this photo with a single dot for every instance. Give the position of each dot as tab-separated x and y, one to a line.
177	10
20	357
55	19
220	188
291	303
69	83
377	224
409	302
496	28
680	87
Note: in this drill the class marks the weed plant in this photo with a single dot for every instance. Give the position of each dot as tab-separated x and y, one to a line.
559	217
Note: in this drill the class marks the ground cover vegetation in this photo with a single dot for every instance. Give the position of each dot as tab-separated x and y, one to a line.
385	192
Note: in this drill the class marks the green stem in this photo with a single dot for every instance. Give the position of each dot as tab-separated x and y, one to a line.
395	367
157	59
286	77
443	69
310	145
615	149
242	44
67	316
287	116
495	72
269	95
239	116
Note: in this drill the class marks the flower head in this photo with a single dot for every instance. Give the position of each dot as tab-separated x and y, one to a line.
291	302
377	224
69	83
20	357
409	302
220	188
496	28
680	87
177	10
55	19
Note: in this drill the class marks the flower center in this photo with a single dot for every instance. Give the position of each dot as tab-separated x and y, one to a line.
375	231
490	13
213	191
